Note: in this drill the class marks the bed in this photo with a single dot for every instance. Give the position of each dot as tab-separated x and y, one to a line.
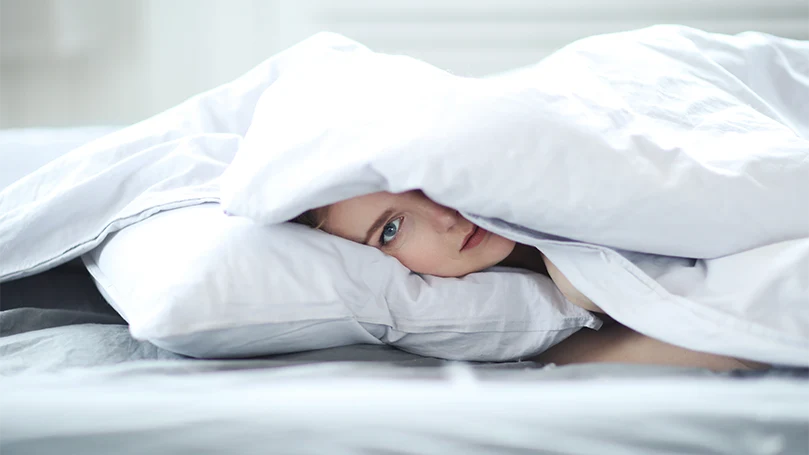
74	380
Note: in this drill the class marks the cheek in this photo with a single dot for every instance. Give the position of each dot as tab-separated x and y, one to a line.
428	254
421	256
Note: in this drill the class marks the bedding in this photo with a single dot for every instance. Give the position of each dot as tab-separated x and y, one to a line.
128	396
663	171
200	283
177	159
218	287
380	409
74	380
171	160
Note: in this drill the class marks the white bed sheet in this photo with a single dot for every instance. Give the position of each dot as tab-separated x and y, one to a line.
349	408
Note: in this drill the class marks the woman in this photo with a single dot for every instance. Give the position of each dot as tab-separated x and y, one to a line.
431	239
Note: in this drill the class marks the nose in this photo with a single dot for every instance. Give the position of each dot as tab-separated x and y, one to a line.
444	218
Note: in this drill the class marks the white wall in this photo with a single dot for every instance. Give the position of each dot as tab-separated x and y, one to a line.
142	57
80	62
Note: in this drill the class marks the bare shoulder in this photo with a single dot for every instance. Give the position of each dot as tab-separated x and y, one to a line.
572	294
616	343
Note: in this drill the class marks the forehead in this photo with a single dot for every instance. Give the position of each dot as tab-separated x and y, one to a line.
352	217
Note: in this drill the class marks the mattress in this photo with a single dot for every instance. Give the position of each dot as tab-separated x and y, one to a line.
73	380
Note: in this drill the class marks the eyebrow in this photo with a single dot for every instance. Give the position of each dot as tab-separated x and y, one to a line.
377	224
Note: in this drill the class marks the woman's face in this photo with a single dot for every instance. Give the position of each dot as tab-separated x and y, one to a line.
425	237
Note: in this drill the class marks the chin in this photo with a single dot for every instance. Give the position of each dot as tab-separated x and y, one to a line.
499	248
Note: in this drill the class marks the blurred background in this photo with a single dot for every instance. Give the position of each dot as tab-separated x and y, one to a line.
115	62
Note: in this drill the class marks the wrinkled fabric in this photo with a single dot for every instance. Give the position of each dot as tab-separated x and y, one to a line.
174	159
664	171
665	140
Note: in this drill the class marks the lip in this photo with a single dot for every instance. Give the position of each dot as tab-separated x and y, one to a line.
474	238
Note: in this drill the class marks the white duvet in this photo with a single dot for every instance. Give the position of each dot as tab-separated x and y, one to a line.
664	171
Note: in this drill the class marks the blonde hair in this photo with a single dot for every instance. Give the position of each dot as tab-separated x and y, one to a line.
314	218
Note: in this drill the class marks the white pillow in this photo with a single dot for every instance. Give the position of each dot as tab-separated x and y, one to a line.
201	283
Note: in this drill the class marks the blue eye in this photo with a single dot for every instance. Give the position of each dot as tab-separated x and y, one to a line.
389	231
